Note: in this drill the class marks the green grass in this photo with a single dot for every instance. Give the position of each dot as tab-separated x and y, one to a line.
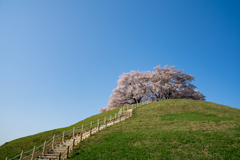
193	116
13	148
169	129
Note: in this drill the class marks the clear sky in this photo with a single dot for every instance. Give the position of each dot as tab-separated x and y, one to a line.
60	60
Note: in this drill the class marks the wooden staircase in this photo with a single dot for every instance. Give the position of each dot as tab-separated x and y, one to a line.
60	151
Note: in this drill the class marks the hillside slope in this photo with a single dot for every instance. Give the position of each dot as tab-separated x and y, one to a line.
13	148
175	129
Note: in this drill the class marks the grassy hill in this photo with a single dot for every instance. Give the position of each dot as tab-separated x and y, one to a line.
169	129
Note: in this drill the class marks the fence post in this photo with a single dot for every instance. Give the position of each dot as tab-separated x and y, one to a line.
105	122
33	153
113	119
22	154
7	158
82	127
110	118
98	124
53	142
44	148
59	157
120	117
73	131
67	152
63	136
73	144
81	136
90	129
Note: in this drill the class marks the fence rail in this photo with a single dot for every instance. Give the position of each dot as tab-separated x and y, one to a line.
80	130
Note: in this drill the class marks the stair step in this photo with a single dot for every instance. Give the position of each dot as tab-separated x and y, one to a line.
51	156
62	145
54	152
59	150
47	158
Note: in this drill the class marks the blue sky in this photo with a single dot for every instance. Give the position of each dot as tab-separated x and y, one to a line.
60	60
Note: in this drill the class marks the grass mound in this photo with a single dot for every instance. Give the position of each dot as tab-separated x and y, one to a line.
169	129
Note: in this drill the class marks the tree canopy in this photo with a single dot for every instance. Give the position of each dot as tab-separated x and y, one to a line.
164	83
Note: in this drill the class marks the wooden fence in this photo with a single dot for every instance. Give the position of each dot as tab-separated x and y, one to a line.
80	131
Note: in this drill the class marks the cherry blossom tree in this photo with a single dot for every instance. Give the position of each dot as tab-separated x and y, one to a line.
168	83
164	83
132	88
